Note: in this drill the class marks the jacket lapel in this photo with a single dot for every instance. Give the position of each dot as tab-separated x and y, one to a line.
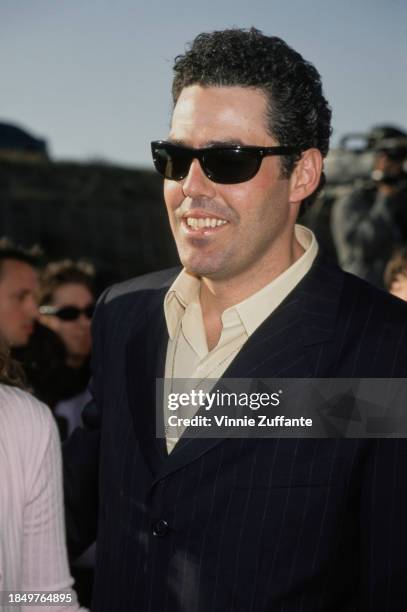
145	361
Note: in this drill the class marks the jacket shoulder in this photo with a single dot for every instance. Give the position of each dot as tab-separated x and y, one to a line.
371	333
152	282
368	299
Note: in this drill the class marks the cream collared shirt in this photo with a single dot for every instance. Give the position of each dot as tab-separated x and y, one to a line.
188	356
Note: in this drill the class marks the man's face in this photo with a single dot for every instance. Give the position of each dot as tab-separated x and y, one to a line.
18	301
75	334
256	212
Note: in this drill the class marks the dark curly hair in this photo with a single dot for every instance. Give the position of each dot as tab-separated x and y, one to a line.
298	113
8	250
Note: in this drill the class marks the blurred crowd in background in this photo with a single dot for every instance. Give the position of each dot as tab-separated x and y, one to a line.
45	318
46	306
362	213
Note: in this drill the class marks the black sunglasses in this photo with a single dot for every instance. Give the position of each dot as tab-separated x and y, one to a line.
221	164
68	313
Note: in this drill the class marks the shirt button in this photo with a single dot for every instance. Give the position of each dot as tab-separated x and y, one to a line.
161	528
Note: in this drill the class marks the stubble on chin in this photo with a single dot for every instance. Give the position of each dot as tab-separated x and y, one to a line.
213	265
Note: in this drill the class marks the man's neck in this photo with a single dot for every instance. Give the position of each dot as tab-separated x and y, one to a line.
218	295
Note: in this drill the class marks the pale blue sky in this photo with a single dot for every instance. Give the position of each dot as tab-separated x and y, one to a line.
93	77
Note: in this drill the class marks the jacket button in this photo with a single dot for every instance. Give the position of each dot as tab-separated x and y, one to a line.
161	528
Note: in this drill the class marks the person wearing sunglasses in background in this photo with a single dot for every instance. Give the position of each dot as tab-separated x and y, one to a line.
66	307
213	524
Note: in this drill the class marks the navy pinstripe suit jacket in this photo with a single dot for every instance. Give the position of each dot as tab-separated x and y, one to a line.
250	525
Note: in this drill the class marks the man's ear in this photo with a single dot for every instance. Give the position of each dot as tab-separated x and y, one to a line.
305	177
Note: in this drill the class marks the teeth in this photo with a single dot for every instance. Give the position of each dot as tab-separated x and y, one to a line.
198	223
193	223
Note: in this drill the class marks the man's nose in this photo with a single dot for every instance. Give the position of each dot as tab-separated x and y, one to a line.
84	320
197	184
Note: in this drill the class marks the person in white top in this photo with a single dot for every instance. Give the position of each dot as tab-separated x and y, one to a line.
33	555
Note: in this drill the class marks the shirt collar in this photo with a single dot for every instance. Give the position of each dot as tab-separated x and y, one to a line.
256	308
183	291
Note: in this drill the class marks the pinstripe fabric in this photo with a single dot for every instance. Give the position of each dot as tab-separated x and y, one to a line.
32	530
253	525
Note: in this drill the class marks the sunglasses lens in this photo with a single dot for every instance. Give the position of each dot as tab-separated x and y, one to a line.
72	313
229	166
68	313
172	162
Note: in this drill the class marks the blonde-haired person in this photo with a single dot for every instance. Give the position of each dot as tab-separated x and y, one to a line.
67	303
395	275
32	543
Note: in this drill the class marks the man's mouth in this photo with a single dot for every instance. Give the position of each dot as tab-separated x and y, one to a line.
202	224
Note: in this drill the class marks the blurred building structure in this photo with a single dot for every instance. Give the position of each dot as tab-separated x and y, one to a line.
115	217
17	144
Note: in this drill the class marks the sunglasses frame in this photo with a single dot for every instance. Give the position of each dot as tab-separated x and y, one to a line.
55	311
257	152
